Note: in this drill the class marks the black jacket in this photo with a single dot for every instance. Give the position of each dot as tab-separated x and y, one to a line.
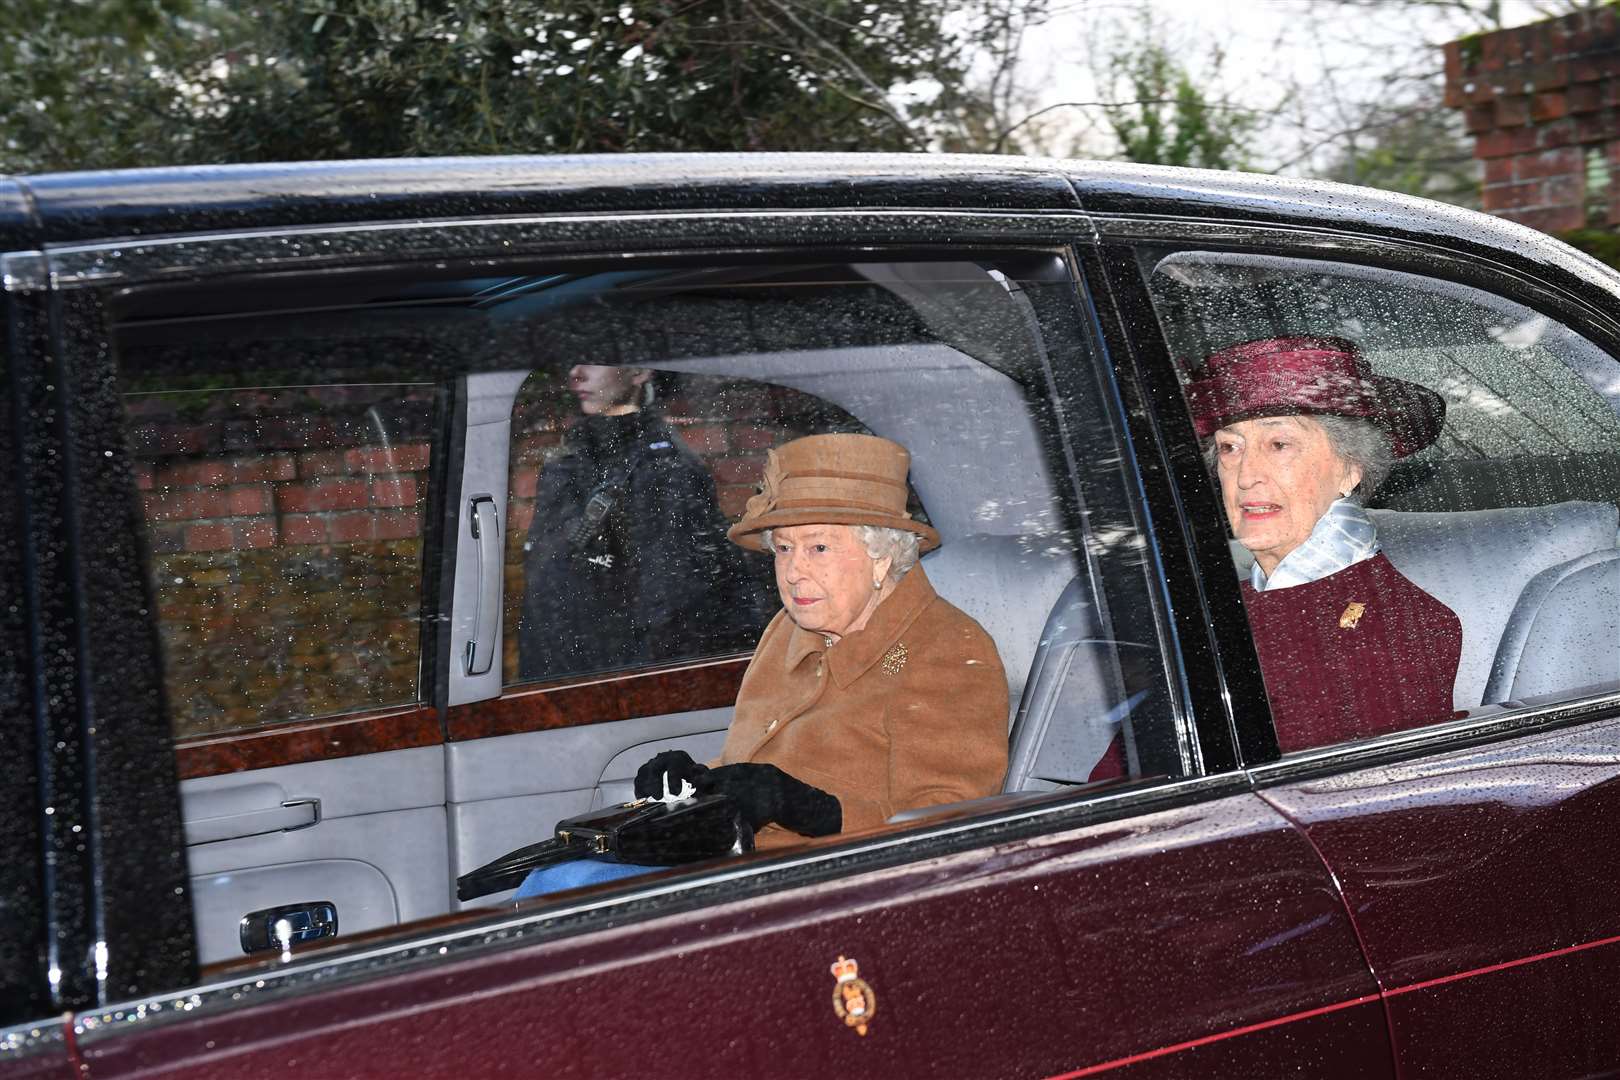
653	579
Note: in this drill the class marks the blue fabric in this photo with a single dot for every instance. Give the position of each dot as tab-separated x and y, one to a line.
1344	535
577	873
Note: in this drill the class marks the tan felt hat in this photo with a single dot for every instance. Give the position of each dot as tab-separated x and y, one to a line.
831	480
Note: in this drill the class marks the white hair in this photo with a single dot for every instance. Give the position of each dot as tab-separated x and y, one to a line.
899	546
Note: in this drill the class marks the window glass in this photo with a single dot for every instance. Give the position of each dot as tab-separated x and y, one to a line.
284	531
1474	560
301	551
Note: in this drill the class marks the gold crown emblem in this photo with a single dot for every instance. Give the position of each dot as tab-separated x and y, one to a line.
845	970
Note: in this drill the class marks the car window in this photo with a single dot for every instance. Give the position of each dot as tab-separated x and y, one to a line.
602	587
284	539
300	544
1494	533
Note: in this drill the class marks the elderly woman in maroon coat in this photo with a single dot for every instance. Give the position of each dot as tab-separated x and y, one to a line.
1301	433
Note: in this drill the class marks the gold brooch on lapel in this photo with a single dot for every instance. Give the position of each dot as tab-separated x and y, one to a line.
895	659
1352	615
853	1000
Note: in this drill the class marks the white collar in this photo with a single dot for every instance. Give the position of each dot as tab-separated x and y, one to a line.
1344	535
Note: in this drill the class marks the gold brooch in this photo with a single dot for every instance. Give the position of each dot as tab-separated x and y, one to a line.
1352	615
895	659
853	1000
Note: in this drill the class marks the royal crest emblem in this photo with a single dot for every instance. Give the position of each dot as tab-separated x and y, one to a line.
853	999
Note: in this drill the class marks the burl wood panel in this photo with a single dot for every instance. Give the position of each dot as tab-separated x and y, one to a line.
317	740
600	699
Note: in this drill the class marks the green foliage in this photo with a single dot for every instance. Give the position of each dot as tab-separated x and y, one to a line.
1163	117
98	83
1602	244
1419	151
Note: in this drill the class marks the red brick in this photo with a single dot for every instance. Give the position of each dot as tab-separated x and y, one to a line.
704	439
250	470
1549	106
1558	133
1512	110
1597	127
1500	171
520	517
321	495
211	537
396	525
1588	97
1563	190
738	470
407	457
321	463
1586	68
398	489
254	533
1514	196
185	505
346	528
733	498
303	529
248	499
1560	162
1505	143
754	437
143	475
1548	76
524	483
1493	50
209	473
1478	118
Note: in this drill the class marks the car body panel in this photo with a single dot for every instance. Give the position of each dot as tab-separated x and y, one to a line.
1035	958
1513	839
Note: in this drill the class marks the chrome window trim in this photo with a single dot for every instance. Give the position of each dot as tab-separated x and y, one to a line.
1323	240
1433	739
513	931
138	260
23	271
23	1041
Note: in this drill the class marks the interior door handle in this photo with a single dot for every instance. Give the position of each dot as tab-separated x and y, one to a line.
486	530
246	810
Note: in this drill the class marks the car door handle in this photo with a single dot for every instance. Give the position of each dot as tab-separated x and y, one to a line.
288	925
245	810
486	529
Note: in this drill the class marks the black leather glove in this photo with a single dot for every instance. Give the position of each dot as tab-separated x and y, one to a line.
680	766
768	794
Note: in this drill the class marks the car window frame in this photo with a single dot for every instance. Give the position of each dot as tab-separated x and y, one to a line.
85	274
1122	237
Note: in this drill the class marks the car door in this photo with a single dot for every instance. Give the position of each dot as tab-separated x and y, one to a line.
1172	923
1472	851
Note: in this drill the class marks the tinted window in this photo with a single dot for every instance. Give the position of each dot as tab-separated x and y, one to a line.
1501	531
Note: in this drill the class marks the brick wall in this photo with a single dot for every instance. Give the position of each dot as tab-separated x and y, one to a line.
285	529
1536	99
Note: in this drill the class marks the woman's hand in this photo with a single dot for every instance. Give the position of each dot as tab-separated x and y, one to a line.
766	794
678	767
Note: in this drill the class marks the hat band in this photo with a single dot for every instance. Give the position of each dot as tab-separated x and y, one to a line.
837	504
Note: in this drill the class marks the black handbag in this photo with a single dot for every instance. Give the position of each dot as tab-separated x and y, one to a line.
647	832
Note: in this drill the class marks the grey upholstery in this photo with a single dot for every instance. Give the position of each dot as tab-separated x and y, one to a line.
1076	666
1477	562
1008	584
1564	633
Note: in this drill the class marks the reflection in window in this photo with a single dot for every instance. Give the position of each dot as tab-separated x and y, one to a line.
284	527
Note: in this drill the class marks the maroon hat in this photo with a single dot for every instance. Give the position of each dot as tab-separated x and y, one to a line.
1324	376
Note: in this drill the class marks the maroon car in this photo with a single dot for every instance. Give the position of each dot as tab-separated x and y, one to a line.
277	524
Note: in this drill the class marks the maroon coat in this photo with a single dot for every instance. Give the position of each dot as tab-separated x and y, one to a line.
1334	673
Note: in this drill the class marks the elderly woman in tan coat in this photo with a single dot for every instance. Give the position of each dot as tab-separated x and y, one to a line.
868	693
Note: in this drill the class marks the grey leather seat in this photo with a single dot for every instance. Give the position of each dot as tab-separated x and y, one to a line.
1564	633
1008	584
1477	562
1077	666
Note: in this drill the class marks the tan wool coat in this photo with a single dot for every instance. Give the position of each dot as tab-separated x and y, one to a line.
909	711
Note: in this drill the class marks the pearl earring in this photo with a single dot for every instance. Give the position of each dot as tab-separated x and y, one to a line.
877	586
